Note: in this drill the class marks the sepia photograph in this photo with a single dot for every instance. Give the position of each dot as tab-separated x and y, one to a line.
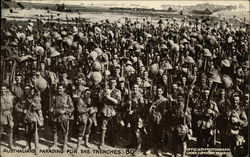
107	78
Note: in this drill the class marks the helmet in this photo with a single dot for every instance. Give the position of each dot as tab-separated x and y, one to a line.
39	50
98	30
96	77
225	63
154	68
40	84
227	81
98	50
93	55
70	58
215	78
207	53
96	66
189	60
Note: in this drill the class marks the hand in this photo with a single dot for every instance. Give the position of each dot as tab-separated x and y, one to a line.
91	110
129	102
235	120
108	91
25	111
130	112
51	110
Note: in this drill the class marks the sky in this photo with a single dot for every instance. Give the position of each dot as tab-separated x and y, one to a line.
151	4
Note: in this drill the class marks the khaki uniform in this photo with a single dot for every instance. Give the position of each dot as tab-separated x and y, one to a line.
62	109
85	119
6	117
206	115
6	112
157	119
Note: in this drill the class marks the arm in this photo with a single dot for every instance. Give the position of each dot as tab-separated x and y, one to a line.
117	98
18	107
243	119
70	104
82	107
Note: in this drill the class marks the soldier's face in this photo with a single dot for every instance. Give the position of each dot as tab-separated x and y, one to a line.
165	78
113	83
18	79
175	87
161	71
64	75
184	80
145	74
136	88
122	84
246	98
117	71
87	94
222	94
80	81
27	90
206	93
3	90
138	80
236	101
61	90
159	92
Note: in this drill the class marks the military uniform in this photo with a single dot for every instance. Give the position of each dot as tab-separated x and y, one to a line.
157	112
62	109
224	107
17	91
181	131
108	111
205	116
134	118
6	116
30	109
75	98
85	119
237	121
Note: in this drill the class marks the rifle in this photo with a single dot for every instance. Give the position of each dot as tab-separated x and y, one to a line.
188	98
30	102
129	95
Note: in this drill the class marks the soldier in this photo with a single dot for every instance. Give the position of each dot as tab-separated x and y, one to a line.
145	77
237	122
66	82
224	107
17	91
77	90
124	97
110	98
86	118
157	114
139	82
181	126
135	111
6	114
61	110
183	85
17	88
205	111
30	108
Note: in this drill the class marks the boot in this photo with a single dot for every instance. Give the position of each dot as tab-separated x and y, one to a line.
78	148
28	143
65	143
11	146
87	141
103	139
139	143
36	141
55	137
